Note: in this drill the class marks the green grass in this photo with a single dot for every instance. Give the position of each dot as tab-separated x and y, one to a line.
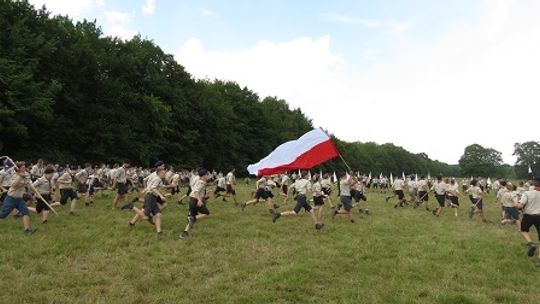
392	256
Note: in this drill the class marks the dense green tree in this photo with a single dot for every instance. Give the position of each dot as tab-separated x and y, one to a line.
480	161
527	154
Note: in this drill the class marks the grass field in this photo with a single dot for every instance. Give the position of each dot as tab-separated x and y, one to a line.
392	256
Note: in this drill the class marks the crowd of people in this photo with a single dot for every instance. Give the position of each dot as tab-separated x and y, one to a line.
39	188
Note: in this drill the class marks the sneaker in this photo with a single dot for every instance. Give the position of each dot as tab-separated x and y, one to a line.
127	206
334	213
531	249
183	235
275	216
30	231
318	226
352	222
191	221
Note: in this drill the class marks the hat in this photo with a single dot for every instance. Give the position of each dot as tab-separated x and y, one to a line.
159	163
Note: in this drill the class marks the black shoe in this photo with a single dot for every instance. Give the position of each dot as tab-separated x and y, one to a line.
318	226
531	249
276	206
127	206
30	231
395	206
275	216
334	213
243	206
434	212
352	221
44	222
183	235
130	224
87	204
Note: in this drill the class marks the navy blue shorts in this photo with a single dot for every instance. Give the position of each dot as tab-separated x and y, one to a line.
347	202
11	203
301	202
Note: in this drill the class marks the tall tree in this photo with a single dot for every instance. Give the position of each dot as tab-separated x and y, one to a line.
480	161
527	154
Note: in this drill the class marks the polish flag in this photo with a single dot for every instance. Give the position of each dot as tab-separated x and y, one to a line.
313	148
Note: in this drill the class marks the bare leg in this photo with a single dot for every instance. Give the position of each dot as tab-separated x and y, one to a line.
157	222
26	222
73	204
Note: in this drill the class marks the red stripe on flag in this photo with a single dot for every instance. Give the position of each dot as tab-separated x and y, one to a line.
318	154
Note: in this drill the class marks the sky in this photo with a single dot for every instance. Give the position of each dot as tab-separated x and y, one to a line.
430	76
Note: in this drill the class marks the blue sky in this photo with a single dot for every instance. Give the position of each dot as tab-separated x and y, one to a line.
407	72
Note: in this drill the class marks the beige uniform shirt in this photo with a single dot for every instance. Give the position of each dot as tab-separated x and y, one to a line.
65	181
21	188
43	185
302	186
531	200
198	189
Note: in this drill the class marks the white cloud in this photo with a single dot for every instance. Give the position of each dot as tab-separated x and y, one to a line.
477	84
118	24
207	12
300	69
73	8
149	7
395	27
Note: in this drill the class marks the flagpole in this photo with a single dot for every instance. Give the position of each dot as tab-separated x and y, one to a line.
340	156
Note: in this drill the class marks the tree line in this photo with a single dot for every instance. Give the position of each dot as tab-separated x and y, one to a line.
70	94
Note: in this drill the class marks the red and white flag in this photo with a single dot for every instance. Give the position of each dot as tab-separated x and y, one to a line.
313	148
